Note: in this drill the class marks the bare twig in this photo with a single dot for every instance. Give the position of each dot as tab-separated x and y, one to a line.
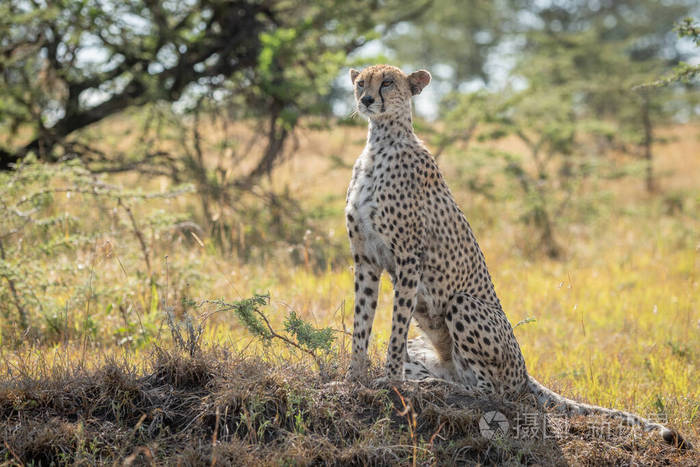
138	234
464	136
15	296
273	333
410	415
89	299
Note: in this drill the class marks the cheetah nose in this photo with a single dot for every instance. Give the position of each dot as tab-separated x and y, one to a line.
367	100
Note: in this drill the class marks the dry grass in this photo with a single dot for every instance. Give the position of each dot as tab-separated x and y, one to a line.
223	408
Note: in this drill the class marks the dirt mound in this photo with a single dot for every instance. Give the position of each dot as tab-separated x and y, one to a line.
220	408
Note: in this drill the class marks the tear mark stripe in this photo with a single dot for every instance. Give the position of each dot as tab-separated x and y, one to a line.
381	96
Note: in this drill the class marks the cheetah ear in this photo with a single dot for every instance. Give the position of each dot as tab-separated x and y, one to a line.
353	75
418	80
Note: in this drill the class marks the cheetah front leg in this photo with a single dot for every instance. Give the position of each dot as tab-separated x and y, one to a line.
366	291
405	298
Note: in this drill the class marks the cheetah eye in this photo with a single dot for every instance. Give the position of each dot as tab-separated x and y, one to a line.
386	83
361	84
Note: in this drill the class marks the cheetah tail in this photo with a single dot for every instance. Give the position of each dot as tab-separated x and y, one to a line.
551	400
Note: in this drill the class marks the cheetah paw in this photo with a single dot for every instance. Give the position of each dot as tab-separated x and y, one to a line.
386	381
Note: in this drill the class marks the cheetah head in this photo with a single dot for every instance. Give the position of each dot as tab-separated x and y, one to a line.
384	90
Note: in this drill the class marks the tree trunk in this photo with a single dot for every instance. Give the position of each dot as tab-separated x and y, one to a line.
646	144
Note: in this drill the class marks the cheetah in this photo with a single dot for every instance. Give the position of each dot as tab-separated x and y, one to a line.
402	218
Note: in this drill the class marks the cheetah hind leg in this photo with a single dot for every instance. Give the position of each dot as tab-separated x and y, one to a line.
416	371
424	367
423	363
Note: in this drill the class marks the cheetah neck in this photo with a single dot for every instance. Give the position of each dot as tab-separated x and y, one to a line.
390	129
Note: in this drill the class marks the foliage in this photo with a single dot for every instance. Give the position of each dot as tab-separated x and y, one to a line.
247	311
33	231
684	72
168	67
573	99
610	51
452	39
308	339
545	117
70	64
308	336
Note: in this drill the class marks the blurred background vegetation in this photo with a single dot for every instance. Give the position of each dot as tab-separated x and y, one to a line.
157	154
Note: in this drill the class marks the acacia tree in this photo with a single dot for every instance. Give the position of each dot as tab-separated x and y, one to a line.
579	100
618	46
456	37
684	72
179	69
607	48
67	64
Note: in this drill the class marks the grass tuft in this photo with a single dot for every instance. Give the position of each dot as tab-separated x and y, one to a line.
218	406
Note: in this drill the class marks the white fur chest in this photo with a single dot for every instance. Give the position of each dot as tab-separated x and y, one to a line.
361	210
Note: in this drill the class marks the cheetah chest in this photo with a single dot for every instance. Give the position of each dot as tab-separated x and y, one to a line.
360	212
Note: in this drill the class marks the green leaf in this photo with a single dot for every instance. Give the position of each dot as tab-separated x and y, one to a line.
307	335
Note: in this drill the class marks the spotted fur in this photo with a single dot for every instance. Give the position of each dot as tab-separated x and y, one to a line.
402	218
